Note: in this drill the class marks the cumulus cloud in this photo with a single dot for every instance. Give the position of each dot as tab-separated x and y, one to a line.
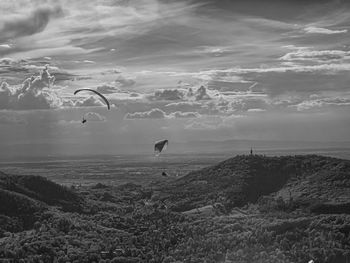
168	94
17	26
89	102
160	114
34	93
320	30
201	94
39	92
190	92
152	114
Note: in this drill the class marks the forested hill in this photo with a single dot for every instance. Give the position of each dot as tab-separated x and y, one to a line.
41	221
243	179
36	190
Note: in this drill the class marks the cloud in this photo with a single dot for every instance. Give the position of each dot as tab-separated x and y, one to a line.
94	116
316	55
152	114
179	114
321	103
18	26
5	46
248	104
34	93
168	94
39	92
160	114
124	81
256	110
184	106
6	61
201	94
215	51
107	89
89	102
320	30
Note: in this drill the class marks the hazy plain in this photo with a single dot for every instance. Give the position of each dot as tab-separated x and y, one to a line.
140	169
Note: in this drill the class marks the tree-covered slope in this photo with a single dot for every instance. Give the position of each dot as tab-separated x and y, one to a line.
244	179
41	189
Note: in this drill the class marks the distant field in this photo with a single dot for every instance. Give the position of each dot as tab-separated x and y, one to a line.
139	169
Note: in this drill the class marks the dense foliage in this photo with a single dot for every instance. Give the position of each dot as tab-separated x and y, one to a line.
243	179
129	223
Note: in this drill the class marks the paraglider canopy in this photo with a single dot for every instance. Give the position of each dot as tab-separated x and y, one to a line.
96	92
159	146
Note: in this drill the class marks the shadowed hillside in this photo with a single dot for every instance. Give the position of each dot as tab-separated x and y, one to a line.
41	189
24	198
244	179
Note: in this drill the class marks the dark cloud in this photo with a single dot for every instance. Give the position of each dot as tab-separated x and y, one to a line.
34	23
134	95
168	94
201	94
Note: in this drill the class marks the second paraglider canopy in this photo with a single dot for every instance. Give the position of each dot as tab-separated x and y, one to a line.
159	146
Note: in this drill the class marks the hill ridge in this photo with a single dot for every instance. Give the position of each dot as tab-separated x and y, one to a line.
246	178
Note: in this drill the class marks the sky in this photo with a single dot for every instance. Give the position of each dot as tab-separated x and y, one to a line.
182	70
